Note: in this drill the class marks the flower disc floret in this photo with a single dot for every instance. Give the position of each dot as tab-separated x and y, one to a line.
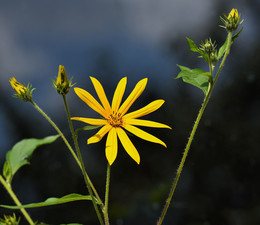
116	119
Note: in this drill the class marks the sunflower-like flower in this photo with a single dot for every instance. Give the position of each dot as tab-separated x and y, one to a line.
116	119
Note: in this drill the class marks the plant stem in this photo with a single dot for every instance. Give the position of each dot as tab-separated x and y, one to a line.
59	132
16	200
88	182
106	196
205	102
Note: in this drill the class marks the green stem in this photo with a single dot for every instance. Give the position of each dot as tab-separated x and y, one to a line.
59	132
106	196
16	200
88	182
186	151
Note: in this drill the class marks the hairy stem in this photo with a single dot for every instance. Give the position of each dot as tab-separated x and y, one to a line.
88	182
186	151
59	132
106	195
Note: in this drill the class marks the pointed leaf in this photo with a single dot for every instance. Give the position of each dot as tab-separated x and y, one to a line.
19	155
223	48
237	35
89	127
53	201
194	48
196	77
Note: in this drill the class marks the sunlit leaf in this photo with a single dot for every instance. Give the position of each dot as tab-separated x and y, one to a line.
53	201
20	154
196	77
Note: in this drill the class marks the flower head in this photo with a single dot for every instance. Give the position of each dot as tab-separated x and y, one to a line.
22	92
116	119
62	85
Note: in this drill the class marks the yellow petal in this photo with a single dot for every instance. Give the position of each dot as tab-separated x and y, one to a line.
101	94
128	145
151	107
144	135
138	90
100	134
118	95
90	101
146	123
111	146
90	120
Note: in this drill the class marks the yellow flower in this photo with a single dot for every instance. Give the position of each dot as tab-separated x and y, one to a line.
116	119
22	92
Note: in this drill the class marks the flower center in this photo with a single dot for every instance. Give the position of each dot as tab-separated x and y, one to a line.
115	120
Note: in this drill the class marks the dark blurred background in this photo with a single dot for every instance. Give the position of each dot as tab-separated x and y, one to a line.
110	40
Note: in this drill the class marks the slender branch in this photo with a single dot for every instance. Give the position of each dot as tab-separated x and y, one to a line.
59	132
186	151
88	182
8	187
106	195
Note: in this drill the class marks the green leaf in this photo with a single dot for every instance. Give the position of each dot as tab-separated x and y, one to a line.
53	201
89	127
194	48
223	48
19	155
196	77
237	35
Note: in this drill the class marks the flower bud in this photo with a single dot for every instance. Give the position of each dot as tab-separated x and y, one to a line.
209	48
62	85
22	92
232	21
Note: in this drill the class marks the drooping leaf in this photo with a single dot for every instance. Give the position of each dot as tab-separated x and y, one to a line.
53	201
194	48
196	77
20	154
